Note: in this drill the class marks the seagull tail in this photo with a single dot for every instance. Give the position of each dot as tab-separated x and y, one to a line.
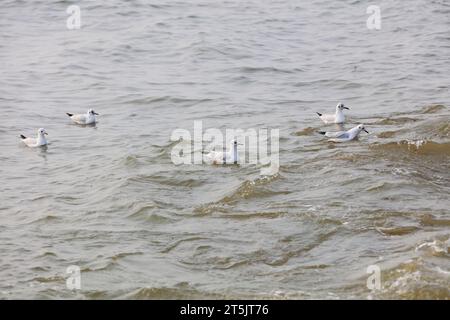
319	114
22	136
69	114
321	132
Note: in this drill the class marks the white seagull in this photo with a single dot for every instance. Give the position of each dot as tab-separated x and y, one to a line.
338	117
87	118
229	157
344	136
40	141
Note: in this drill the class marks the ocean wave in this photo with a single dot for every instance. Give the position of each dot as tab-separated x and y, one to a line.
107	263
174	181
414	279
249	189
251	215
437	247
150	213
265	70
183	291
46	219
419	147
431	220
398	231
387	134
433	108
306	132
395	121
167	99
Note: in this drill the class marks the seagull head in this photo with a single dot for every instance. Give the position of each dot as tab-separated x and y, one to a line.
361	128
42	131
234	143
92	112
341	107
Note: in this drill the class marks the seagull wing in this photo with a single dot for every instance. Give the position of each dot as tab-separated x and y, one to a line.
335	134
215	157
31	142
328	118
79	118
344	137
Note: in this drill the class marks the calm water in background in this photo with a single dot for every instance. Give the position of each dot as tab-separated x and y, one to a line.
109	199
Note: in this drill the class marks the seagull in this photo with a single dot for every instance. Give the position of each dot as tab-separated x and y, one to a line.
229	157
344	136
88	118
40	141
338	117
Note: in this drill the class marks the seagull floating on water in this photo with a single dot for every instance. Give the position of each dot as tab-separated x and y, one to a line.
40	141
344	136
87	118
338	117
229	157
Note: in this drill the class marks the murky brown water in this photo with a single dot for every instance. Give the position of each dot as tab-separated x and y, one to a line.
109	199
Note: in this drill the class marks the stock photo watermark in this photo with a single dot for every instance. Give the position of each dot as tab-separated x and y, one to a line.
73	22
374	20
374	280
244	147
73	281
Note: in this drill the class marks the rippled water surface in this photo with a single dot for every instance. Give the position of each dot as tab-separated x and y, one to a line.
108	198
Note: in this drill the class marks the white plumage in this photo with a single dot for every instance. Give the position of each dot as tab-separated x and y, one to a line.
87	118
229	157
38	142
337	117
344	136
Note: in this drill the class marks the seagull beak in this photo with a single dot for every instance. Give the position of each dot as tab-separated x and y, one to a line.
96	113
46	133
345	108
366	131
